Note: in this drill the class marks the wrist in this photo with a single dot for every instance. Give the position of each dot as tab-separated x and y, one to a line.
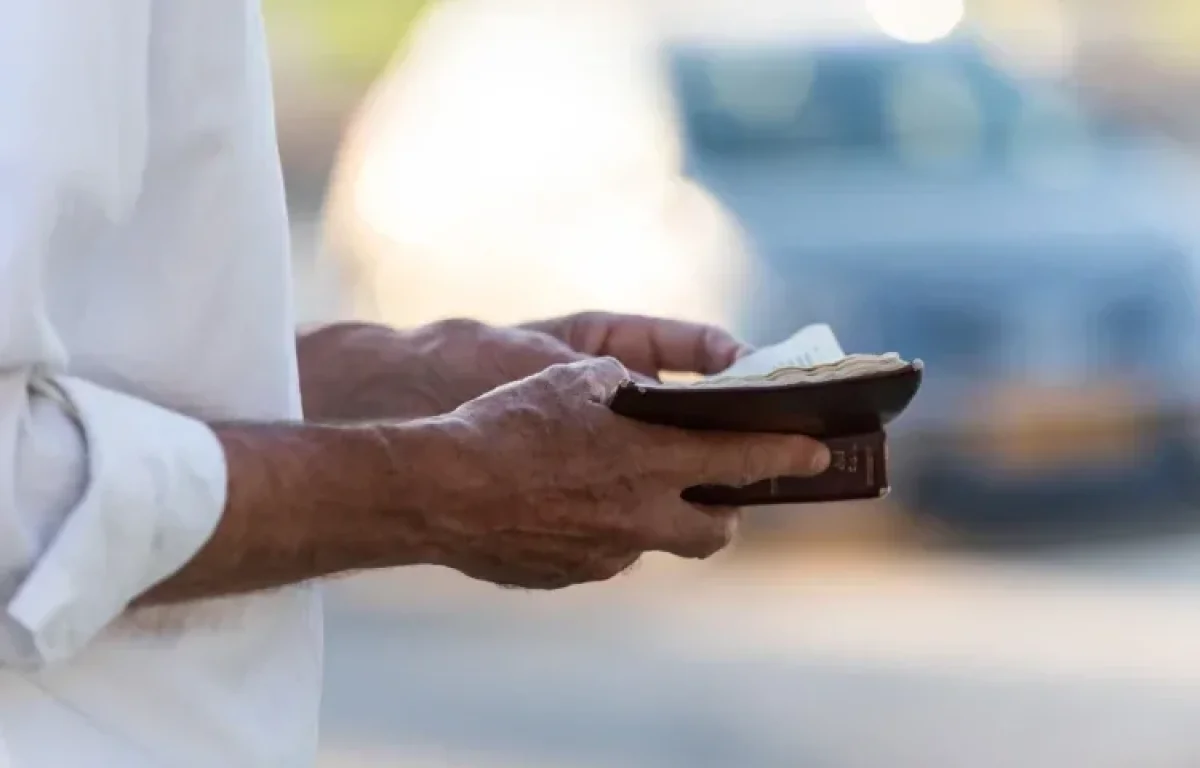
306	501
429	480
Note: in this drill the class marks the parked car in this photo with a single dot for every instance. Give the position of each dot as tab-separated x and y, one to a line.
766	172
1039	258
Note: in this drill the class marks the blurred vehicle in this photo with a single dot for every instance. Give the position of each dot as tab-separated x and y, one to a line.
921	198
766	165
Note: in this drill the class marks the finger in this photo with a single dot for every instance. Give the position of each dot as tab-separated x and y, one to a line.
677	345
649	345
596	378
685	530
554	350
738	459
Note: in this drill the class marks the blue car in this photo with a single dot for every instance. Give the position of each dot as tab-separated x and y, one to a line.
1038	257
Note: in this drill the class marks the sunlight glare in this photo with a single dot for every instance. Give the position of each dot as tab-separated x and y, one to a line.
916	21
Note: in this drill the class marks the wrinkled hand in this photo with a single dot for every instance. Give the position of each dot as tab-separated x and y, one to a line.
355	371
368	372
549	488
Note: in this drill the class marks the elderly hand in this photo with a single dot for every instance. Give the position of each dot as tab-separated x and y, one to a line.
354	371
541	486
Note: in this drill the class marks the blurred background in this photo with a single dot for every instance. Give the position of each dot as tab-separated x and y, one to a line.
1006	189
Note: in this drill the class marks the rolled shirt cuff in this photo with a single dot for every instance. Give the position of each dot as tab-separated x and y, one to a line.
155	491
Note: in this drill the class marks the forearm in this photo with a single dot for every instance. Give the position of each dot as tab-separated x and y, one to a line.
306	501
114	501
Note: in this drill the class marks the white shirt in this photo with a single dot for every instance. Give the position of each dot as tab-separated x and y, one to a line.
144	275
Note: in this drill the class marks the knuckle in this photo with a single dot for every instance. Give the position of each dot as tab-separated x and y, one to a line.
560	375
458	326
532	401
758	460
607	368
575	329
451	333
588	317
599	377
563	383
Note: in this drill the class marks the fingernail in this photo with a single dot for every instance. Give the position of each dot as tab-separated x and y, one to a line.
820	459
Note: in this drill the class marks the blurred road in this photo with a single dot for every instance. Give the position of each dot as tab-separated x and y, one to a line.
804	658
871	660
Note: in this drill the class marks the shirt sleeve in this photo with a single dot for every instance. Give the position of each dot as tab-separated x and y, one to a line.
102	495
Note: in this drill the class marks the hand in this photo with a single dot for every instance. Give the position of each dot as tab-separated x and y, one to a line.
546	487
358	371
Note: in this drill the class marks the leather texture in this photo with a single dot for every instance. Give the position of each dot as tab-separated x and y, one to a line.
849	414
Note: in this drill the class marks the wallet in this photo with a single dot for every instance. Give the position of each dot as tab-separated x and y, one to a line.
847	404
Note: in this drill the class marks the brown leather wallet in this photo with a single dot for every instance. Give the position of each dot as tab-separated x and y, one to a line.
848	414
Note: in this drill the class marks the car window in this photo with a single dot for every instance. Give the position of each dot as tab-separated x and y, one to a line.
911	104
